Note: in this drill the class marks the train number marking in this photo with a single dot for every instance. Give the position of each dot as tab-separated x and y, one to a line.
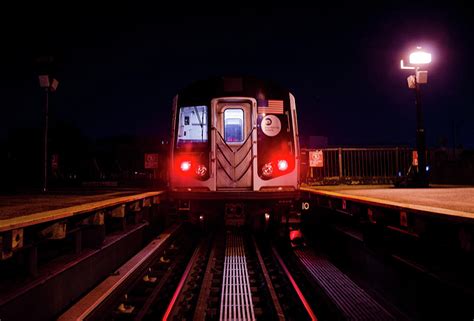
305	206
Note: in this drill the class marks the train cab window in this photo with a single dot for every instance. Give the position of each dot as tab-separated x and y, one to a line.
192	125
234	125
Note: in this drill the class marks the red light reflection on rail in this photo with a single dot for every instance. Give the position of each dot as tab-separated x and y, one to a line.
295	287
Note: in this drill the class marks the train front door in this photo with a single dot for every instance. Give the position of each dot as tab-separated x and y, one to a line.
233	139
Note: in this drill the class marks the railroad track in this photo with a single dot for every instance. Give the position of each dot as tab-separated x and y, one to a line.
226	275
222	276
242	280
147	278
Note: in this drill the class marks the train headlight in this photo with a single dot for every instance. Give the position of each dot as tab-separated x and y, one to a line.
267	170
282	165
201	170
185	166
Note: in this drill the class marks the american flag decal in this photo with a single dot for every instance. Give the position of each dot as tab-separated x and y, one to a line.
270	106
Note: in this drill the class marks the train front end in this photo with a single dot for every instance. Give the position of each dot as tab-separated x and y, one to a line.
234	150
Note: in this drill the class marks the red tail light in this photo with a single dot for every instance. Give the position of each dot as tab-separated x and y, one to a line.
282	165
185	166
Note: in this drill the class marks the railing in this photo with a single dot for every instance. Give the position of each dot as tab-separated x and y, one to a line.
357	165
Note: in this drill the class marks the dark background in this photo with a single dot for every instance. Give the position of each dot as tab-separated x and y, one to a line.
119	67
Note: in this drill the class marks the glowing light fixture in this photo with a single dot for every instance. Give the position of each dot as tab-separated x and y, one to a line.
295	234
420	58
417	58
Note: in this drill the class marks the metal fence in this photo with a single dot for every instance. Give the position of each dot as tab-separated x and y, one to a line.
357	165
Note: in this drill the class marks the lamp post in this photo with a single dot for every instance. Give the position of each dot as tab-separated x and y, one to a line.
48	87
418	59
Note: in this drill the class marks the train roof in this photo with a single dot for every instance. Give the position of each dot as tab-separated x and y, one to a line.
237	86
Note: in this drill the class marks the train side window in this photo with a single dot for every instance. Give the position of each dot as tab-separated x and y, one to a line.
234	125
192	125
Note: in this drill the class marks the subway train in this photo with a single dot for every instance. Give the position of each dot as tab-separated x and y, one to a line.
234	151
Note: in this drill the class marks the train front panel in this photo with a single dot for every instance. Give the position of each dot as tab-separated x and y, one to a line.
239	139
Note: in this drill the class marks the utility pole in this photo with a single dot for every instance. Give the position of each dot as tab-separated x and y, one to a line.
420	137
45	151
48	87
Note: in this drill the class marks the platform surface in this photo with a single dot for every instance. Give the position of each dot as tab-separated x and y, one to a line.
441	199
27	209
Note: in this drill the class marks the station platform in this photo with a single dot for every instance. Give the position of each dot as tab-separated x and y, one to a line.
446	200
47	240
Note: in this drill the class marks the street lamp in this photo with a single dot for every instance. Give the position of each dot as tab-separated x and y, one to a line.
48	86
418	59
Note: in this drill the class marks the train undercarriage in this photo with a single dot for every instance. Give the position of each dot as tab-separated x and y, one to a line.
254	210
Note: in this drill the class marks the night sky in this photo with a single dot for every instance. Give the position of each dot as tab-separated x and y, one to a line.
120	67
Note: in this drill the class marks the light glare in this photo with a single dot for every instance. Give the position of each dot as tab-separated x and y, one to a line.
185	166
420	58
282	165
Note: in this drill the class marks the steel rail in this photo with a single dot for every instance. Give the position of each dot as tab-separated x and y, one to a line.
201	306
181	283
295	286
268	281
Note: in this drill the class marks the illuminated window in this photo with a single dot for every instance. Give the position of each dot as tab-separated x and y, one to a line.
234	125
192	125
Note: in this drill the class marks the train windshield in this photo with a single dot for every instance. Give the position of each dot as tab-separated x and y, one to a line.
192	125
